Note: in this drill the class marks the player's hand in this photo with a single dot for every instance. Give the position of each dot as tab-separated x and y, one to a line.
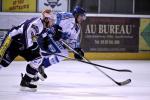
34	46
58	33
57	27
81	52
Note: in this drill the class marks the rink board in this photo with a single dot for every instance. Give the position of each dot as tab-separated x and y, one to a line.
143	53
113	56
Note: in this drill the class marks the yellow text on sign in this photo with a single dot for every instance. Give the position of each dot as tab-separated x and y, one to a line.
19	5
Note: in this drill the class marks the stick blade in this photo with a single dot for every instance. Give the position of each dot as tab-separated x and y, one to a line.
124	82
126	70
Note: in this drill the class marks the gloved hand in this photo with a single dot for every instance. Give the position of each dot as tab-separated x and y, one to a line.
35	46
57	27
57	35
58	32
81	52
45	42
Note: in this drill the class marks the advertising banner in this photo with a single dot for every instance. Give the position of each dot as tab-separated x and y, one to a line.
57	5
110	34
144	42
19	5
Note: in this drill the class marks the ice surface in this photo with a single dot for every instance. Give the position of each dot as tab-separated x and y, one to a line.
70	80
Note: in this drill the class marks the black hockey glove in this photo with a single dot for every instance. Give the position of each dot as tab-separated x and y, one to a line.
58	33
34	46
46	42
81	52
57	27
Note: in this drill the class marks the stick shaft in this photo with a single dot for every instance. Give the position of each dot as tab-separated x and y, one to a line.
90	62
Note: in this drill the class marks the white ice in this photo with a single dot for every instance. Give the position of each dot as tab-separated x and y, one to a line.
70	80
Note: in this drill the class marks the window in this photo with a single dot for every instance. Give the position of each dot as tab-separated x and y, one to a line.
107	6
142	6
124	6
116	6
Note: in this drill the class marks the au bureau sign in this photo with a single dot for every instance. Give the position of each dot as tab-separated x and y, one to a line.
110	34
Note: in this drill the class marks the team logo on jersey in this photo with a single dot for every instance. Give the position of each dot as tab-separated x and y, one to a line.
52	3
35	28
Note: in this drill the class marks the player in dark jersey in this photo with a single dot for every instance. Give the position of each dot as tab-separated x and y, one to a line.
21	40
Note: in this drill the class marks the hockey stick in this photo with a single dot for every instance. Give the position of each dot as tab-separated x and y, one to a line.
118	83
91	63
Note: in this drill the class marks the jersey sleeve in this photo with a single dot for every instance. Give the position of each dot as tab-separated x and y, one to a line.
33	31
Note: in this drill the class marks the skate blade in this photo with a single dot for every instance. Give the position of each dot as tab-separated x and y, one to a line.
41	77
28	89
34	82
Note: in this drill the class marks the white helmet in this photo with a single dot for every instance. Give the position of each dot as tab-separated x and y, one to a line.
48	17
48	13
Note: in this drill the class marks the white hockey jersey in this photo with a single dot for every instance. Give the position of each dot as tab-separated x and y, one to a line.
28	30
70	28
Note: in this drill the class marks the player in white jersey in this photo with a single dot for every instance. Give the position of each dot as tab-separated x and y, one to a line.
21	40
69	22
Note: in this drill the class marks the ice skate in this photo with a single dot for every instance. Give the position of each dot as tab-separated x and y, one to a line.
42	75
26	84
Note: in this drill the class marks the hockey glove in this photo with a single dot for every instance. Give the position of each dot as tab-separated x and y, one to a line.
46	42
57	27
81	52
58	33
34	47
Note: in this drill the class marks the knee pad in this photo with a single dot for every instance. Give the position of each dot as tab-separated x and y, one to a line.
53	59
50	60
31	70
36	62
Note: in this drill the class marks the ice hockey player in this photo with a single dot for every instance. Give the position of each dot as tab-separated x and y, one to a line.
70	24
21	40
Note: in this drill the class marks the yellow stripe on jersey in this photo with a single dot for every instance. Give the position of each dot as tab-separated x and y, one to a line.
4	46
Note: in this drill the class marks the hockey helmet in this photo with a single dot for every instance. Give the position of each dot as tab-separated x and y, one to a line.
48	13
78	11
48	17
